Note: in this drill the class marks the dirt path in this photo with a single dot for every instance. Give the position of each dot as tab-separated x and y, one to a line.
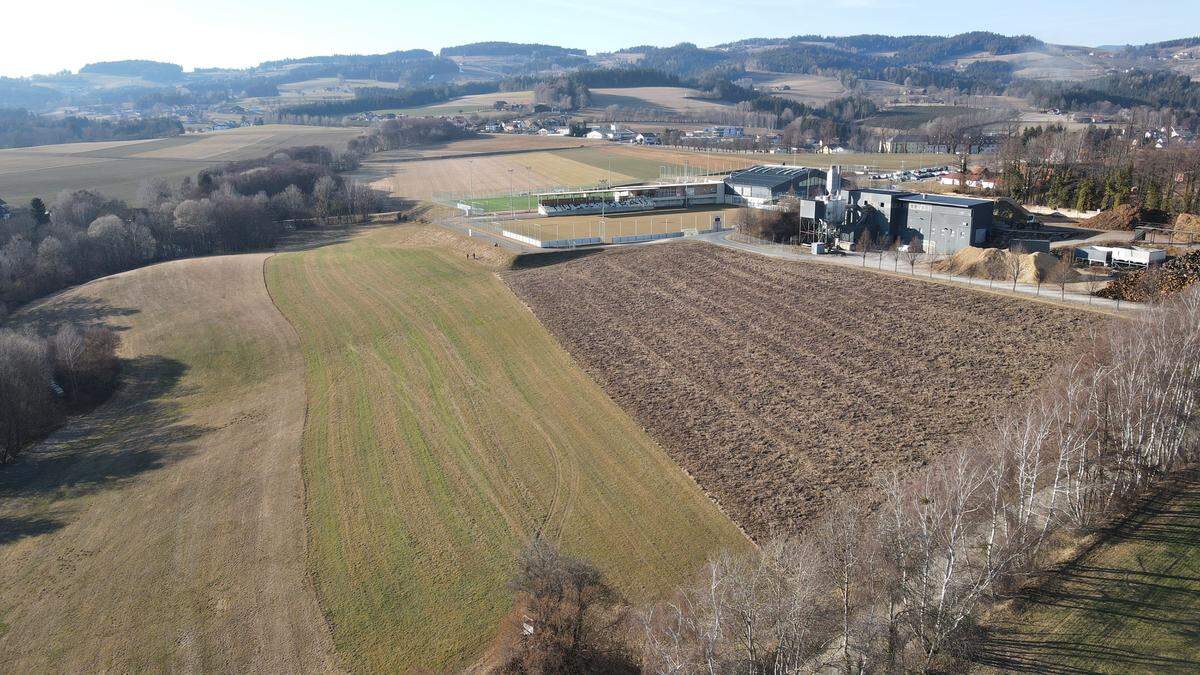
165	531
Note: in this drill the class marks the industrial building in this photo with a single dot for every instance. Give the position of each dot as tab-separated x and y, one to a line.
938	223
945	224
766	184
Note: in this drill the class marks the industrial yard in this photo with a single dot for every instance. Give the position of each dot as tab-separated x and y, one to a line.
780	386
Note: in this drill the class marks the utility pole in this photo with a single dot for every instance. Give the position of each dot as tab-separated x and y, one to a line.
512	211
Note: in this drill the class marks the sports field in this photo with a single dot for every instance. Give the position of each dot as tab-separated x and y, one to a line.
445	427
165	530
479	174
1130	605
116	168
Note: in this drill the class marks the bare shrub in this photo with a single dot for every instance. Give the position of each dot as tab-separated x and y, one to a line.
568	616
26	399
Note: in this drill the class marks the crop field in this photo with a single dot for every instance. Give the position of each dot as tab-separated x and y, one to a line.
486	176
667	100
650	222
811	89
780	386
164	531
474	103
116	169
446	427
906	117
651	163
1129	605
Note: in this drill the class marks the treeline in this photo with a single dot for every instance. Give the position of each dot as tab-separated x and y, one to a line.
44	379
376	98
152	71
240	206
1158	89
1096	169
407	132
509	49
20	128
684	59
820	60
564	93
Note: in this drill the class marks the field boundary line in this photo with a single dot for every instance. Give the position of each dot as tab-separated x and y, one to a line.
309	580
715	502
488	153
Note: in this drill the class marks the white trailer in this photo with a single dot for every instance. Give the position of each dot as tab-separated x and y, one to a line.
1120	256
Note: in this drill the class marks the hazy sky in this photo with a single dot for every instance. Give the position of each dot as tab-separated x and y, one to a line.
42	37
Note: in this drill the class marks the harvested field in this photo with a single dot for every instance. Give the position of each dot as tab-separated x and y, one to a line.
669	101
811	89
164	531
781	385
912	116
485	176
116	168
465	105
445	427
485	144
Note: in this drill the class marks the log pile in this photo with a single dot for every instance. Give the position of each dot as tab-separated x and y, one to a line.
1156	283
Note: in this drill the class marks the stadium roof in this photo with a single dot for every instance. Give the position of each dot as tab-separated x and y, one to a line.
945	200
772	176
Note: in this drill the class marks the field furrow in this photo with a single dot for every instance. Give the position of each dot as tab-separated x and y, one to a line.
781	386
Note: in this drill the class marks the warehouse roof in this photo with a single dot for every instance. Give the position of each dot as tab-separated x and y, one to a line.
945	200
772	176
888	191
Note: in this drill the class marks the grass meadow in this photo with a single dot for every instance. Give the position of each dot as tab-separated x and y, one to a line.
445	428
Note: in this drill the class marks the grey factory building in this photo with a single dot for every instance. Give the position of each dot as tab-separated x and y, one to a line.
941	223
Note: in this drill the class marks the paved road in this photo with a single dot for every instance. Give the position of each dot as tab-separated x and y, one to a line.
1045	293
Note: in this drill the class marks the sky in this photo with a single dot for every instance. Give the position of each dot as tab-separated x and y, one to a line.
236	33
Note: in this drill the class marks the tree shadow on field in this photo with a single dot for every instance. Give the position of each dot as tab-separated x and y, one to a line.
1150	590
47	316
528	261
137	431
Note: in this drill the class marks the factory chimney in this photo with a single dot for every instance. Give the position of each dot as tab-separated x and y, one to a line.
833	181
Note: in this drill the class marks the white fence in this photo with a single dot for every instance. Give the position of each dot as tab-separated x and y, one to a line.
636	238
553	243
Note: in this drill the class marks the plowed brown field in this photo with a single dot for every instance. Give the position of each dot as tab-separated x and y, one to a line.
782	385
